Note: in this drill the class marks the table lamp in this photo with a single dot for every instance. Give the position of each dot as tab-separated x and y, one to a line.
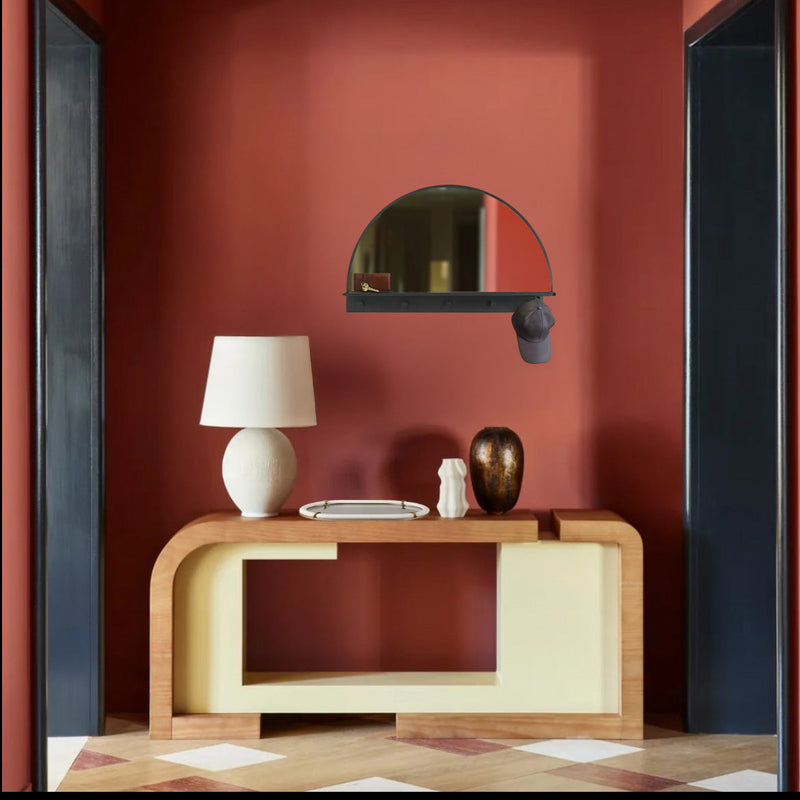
259	384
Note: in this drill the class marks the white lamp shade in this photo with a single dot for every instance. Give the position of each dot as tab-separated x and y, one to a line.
259	382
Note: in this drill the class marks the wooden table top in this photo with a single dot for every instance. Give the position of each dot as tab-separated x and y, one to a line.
289	526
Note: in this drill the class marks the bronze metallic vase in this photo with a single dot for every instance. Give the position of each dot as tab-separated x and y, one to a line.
496	460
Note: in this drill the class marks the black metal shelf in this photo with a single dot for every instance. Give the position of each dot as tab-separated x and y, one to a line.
457	302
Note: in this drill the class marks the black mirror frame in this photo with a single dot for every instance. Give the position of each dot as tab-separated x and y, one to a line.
458	302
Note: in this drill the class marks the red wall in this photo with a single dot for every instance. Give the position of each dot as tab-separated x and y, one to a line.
17	621
694	9
248	146
95	9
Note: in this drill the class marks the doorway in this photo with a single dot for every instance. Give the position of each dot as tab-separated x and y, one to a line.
69	382
735	373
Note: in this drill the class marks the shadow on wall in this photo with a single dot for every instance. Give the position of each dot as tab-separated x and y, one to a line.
638	470
454	589
637	336
415	455
373	598
351	394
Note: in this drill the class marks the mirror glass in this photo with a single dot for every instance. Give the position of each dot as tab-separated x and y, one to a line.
449	239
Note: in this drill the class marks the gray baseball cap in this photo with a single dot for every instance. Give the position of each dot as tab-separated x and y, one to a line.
532	322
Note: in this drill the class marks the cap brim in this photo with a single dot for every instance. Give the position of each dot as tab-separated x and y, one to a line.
534	352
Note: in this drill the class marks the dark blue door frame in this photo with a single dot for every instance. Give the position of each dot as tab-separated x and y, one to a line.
736	483
69	379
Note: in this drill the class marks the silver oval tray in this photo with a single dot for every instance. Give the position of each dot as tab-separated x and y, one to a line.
364	509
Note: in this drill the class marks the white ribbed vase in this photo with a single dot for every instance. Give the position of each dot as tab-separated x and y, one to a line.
453	488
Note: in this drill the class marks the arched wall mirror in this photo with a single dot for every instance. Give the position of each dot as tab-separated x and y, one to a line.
447	248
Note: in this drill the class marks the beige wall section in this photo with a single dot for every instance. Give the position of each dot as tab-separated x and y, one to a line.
558	641
208	647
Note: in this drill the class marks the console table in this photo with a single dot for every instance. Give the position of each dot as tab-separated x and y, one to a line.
569	631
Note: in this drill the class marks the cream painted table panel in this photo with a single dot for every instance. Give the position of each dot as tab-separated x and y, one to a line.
568	628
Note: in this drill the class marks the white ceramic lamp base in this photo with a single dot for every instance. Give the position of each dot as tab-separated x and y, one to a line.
259	468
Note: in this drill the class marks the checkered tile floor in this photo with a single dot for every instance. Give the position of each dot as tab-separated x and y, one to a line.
361	754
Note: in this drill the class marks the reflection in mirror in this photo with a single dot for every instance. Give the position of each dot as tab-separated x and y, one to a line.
449	239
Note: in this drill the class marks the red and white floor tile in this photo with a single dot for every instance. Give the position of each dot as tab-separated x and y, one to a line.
355	754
